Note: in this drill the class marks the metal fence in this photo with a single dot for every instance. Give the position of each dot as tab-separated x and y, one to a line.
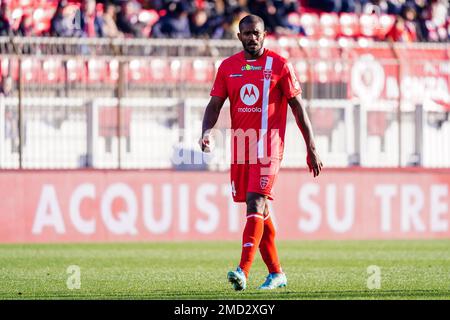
371	104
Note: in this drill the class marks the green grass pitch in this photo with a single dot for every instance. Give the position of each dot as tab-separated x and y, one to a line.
197	270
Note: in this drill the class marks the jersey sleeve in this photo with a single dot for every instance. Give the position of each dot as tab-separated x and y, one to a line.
219	88
289	84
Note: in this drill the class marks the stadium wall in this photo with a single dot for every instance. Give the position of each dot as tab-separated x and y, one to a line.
163	205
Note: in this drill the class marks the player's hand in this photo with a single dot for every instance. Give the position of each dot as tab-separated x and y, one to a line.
205	143
314	163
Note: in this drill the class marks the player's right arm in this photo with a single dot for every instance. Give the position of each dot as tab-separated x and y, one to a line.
219	94
209	120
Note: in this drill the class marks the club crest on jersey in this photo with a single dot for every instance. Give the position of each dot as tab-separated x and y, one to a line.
263	182
249	94
267	74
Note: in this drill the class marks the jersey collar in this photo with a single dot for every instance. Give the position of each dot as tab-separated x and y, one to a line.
254	60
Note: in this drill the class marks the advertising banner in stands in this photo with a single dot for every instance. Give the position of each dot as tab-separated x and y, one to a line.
102	206
425	75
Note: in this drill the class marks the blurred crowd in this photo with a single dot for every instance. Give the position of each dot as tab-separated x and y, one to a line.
415	20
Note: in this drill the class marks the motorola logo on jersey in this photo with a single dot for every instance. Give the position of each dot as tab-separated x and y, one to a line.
249	94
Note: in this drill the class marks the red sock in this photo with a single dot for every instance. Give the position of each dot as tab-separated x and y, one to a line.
250	240
267	247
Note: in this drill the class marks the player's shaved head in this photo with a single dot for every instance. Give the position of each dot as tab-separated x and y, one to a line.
252	34
251	20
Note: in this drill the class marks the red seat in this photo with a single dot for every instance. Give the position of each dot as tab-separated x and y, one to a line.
97	71
329	25
177	70
31	69
26	3
76	70
369	25
321	72
138	71
349	25
10	67
385	24
113	71
52	71
202	71
159	69
294	19
301	69
311	24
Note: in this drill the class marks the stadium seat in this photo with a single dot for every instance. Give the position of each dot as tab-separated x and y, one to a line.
283	46
369	25
76	70
138	71
294	19
177	69
301	68
202	71
113	71
96	70
31	69
385	24
311	24
6	70
321	72
52	71
288	46
329	25
349	25
158	69
26	3
167	71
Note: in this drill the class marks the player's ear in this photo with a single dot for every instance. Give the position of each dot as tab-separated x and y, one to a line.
239	36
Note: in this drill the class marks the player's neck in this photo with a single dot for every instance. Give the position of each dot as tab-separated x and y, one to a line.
257	55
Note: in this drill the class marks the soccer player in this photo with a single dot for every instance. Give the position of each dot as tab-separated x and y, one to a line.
259	84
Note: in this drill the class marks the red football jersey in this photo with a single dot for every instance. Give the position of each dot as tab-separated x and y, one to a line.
258	91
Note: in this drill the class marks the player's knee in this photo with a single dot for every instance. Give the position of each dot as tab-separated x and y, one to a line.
255	202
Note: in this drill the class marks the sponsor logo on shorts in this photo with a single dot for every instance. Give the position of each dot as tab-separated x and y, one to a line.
263	182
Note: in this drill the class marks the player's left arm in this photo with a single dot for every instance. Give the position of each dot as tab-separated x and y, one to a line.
301	117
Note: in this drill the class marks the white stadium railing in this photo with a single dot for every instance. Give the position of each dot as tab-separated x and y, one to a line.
67	94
